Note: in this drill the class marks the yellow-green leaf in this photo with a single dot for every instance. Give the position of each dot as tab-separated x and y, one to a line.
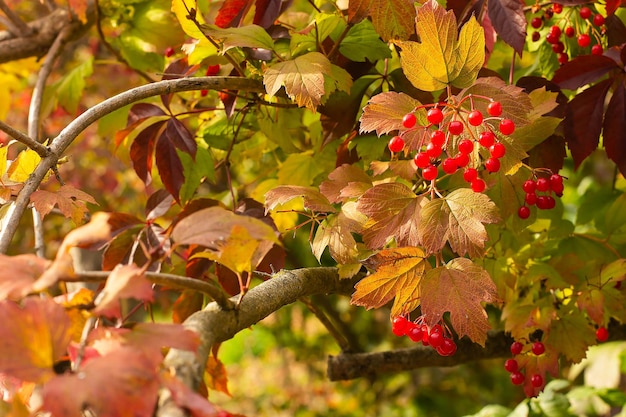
23	165
470	54
249	36
180	9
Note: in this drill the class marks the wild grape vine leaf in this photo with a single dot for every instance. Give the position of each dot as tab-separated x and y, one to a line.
443	56
35	335
509	20
125	281
384	112
70	201
398	273
393	19
313	199
302	77
459	219
614	128
459	287
249	36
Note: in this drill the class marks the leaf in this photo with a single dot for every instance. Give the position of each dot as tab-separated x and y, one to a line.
509	20
186	398
158	204
187	303
300	168
179	136
313	199
459	287
142	150
69	90
363	43
215	375
23	166
231	13
343	177
583	70
458	218
125	281
392	19
181	9
398	273
79	7
384	112
302	77
249	36
70	201
74	304
572	335
614	133
439	60
152	337
35	335
196	172
336	233
18	273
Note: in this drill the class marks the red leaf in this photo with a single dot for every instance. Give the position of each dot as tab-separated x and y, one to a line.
142	149
507	17
583	122
125	281
614	133
187	303
170	166
266	12
612	5
137	115
215	375
34	336
583	70
188	399
152	337
18	273
158	204
178	134
232	12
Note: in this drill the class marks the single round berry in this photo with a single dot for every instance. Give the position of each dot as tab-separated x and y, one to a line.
212	70
447	348
558	48
523	212
478	185
529	186
400	325
517	378
396	144
570	31
536	22
536	381
421	159
492	164
430	173
486	138
563	58
516	348
585	12
449	166
557	7
434	116
436	329
497	150
511	365
415	333
507	126
466	146
435	339
455	127
538	348
555	30
530	199
470	174
552	38
494	108
169	51
598	20
549	13
556	181
542	202
438	138
543	184
475	118
597	49
550	202
535	36
433	150
584	40
409	120
204	93
462	160
602	334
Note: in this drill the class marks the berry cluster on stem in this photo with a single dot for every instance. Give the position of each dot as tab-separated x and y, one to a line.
540	192
512	366
436	336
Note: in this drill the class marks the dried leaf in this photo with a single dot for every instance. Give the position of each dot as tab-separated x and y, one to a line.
313	199
459	287
125	281
398	273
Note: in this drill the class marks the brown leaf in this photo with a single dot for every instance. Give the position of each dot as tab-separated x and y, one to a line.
459	287
125	281
71	202
186	304
313	199
336	233
398	273
215	375
507	17
342	177
18	274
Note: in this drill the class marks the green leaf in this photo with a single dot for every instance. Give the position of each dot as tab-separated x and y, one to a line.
392	19
249	36
195	171
299	169
571	334
69	89
362	43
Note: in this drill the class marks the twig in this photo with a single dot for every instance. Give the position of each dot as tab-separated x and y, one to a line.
25	139
341	339
15	24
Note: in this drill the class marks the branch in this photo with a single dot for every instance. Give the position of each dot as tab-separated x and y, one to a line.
25	139
71	132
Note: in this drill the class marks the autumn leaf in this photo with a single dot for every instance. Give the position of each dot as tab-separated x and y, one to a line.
35	335
24	165
384	112
181	9
249	36
154	336
215	375
75	305
459	287
571	335
187	303
345	182
18	274
186	398
125	281
336	233
392	19
70	201
312	198
398	273
508	19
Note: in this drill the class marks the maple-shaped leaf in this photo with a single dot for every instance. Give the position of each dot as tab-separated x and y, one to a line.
345	182
509	21
70	201
458	218
384	112
516	104
393	210
215	375
336	233
302	77
459	287
125	281
548	362
35	335
249	36
443	56
18	273
571	334
312	198
392	19
123	383
398	273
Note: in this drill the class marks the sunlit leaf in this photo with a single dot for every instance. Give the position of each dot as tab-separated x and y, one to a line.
572	335
125	281
391	18
70	201
363	43
346	181
249	36
24	165
181	9
384	112
313	199
215	375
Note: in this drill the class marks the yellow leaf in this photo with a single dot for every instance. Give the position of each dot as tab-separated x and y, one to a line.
78	316
180	9
23	165
470	54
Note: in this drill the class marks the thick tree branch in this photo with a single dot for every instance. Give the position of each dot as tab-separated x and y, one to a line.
78	125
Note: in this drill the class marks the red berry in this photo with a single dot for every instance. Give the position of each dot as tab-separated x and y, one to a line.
542	202
438	138
584	40
555	30
433	150
204	93
531	199
396	144
470	174
558	48
529	186
492	165
585	12
435	339
511	365
415	333
538	348
494	108
516	348
447	348
556	181
535	36
523	212
517	378
570	32
557	7
478	185
536	381
400	325
549	13
597	49
475	118
487	138
449	166
551	38
421	159
169	51
602	334
409	120
430	173
462	160
455	127
536	22
543	184
507	126
434	116
213	70
466	146
563	58
598	20
497	150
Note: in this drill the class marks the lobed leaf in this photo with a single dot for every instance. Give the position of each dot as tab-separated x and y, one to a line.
363	43
614	132
384	112
335	188
313	199
583	70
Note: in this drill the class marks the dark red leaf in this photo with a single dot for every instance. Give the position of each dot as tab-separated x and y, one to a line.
507	17
177	69
266	12
615	128
170	166
548	154
158	204
118	250
178	134
141	111
612	5
583	122
232	12
121	221
196	267
583	70
142	149
615	31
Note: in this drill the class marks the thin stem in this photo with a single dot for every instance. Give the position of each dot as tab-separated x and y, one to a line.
40	243
512	69
15	24
341	339
25	139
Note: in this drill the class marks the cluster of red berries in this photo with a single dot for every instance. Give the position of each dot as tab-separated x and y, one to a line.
418	331
446	136
512	366
546	187
584	26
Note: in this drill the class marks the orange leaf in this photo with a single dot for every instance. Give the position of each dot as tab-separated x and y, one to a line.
78	316
34	337
18	273
125	281
215	375
187	303
399	272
